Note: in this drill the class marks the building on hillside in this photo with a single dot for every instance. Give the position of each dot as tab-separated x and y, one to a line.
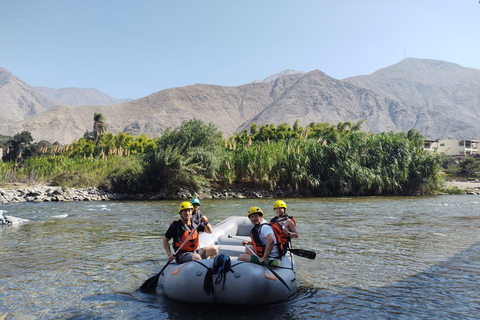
430	145
453	147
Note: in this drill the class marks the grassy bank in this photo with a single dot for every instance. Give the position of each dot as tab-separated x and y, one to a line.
322	160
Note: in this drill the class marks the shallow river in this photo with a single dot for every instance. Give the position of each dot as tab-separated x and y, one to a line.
377	258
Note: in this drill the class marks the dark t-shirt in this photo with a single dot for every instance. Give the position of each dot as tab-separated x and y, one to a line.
196	216
177	229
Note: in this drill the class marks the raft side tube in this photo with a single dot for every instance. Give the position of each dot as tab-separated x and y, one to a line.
248	284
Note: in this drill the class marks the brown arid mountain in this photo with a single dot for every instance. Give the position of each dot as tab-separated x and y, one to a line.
442	98
78	96
316	97
438	98
226	107
18	101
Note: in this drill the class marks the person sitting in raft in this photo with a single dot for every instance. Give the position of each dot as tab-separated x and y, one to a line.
196	214
179	231
263	240
289	227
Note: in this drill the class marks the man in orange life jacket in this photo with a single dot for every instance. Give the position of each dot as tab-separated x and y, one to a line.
289	227
179	231
263	240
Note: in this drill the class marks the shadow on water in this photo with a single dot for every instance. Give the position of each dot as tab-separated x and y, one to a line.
179	310
447	290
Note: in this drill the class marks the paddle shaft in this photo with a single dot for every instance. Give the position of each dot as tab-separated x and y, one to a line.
152	282
268	267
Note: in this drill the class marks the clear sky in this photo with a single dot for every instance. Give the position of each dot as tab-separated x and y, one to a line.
130	49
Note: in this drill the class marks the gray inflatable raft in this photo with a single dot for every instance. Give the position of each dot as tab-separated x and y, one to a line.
246	283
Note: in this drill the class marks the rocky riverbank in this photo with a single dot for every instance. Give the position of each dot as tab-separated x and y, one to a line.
17	194
53	194
47	194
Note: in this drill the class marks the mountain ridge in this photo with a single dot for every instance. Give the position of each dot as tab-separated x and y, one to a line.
78	96
438	98
19	101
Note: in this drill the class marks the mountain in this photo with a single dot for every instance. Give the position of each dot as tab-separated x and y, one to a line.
442	98
280	74
316	97
226	107
78	96
18	101
438	98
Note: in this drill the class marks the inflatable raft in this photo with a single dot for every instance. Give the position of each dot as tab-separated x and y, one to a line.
244	283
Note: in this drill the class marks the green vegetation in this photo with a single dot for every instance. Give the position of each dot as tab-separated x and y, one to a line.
461	168
340	160
320	160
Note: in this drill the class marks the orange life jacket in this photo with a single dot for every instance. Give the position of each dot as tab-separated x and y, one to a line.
281	222
192	243
259	248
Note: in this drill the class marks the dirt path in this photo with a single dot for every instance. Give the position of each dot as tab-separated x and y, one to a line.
474	185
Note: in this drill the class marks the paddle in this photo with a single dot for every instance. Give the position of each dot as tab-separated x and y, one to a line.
304	253
268	267
299	252
151	284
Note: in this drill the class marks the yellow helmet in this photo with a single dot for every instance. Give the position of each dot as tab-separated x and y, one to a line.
279	204
255	210
184	205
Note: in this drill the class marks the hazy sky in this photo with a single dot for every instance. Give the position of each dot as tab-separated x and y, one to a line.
130	49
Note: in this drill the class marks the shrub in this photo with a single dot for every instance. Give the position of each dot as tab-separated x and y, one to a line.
127	177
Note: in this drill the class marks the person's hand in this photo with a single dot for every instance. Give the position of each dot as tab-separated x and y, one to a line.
261	260
244	243
204	220
171	257
285	230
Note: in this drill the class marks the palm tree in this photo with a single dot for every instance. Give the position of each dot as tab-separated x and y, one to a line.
99	126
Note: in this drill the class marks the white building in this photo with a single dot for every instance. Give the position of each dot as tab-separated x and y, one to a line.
453	147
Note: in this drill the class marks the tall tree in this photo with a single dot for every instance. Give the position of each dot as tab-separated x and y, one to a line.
19	144
99	126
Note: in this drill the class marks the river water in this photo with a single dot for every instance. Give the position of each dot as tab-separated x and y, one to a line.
377	258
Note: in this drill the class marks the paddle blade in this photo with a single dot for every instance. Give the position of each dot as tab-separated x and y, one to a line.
304	253
151	284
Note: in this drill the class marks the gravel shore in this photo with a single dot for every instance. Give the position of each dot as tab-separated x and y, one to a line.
15	193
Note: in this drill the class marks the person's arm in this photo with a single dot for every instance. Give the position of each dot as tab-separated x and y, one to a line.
166	245
268	247
291	229
207	225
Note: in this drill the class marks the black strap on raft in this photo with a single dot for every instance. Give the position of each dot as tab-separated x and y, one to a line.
208	282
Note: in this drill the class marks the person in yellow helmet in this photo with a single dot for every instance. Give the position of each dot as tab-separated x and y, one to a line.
180	230
288	224
263	247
